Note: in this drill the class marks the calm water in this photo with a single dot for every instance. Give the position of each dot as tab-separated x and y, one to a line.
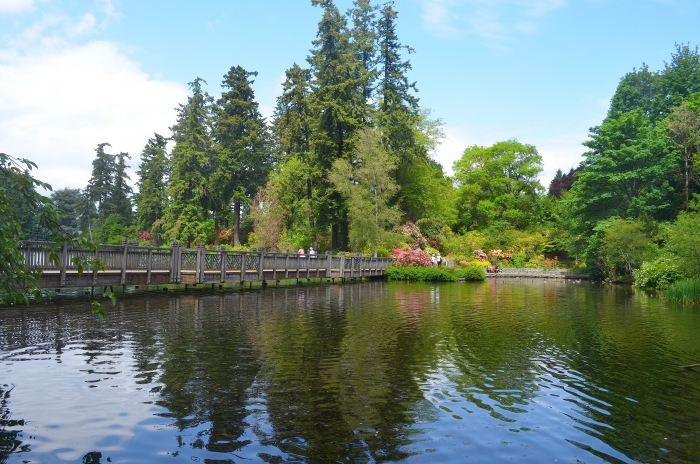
528	371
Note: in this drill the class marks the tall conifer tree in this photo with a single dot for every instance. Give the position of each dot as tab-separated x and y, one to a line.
292	130
192	165
240	131
337	102
151	200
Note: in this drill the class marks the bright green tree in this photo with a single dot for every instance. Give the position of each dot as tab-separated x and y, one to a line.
683	242
368	188
627	172
498	185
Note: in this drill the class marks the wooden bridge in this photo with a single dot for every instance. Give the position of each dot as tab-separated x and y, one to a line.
130	264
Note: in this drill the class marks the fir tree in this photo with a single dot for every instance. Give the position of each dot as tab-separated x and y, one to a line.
192	165
153	173
241	135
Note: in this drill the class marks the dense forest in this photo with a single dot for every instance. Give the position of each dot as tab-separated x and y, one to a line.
345	164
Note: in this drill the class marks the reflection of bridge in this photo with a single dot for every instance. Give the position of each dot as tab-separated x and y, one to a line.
129	264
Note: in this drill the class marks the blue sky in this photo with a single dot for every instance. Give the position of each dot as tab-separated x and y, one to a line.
74	73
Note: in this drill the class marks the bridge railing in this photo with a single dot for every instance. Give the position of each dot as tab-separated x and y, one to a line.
201	265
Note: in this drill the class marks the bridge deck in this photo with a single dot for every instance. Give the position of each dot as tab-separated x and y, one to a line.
129	264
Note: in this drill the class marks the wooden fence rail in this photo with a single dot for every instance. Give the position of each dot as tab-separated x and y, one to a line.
130	264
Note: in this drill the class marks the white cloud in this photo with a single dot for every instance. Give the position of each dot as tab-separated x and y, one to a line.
59	99
16	6
497	21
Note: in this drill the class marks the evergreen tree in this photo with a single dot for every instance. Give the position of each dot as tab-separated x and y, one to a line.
292	128
101	183
153	173
337	104
68	200
192	165
240	131
120	196
363	37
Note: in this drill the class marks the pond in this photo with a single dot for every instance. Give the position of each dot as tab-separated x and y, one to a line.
521	370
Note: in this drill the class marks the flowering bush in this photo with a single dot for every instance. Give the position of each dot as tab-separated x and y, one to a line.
225	236
464	263
145	236
411	258
480	255
499	254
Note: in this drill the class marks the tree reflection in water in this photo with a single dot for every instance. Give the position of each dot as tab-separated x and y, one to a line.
374	372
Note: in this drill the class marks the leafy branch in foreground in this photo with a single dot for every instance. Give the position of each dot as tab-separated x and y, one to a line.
19	282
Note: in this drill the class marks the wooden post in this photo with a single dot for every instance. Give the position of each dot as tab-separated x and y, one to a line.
175	263
261	261
149	265
342	264
223	255
199	267
64	263
243	263
274	266
329	264
286	265
94	272
126	250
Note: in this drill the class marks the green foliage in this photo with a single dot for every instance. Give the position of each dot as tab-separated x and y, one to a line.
473	273
151	201
420	274
658	274
685	291
430	228
498	185
112	231
18	283
108	187
243	159
683	242
623	246
68	200
628	172
188	189
368	189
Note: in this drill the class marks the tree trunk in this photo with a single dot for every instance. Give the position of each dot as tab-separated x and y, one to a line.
236	223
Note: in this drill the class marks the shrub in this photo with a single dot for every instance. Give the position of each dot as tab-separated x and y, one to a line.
430	227
519	259
480	255
657	274
419	274
471	273
464	263
481	263
411	258
684	291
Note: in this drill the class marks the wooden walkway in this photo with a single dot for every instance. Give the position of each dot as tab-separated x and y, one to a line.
129	264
